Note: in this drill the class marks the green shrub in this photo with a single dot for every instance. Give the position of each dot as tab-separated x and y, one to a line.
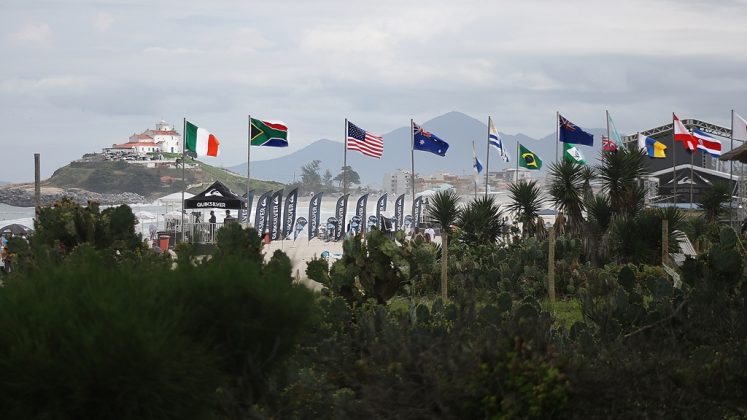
87	339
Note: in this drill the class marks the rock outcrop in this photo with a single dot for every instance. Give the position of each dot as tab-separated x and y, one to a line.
23	196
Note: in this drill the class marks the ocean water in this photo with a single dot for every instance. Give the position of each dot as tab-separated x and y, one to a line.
150	214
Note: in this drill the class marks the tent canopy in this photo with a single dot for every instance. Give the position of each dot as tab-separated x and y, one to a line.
16	230
216	196
739	154
175	198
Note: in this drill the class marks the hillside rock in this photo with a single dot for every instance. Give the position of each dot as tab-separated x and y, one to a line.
23	196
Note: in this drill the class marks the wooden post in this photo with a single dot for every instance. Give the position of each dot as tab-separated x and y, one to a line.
37	184
664	241
444	264
551	265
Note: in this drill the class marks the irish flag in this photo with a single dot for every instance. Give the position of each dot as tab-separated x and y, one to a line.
200	141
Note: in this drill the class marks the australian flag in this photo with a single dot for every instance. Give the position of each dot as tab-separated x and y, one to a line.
428	142
570	133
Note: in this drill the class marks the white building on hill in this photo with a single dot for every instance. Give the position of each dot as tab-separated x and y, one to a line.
164	139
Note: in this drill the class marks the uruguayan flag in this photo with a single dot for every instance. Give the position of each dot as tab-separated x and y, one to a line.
495	140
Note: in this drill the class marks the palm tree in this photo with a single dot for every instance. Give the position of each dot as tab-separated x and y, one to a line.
481	221
526	201
716	195
566	189
620	172
443	208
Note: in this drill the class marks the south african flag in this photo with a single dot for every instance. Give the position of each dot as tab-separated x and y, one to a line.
268	133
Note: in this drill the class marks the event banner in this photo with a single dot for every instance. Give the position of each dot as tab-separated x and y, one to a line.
360	208
289	215
276	204
301	223
417	210
246	213
260	217
380	206
341	210
399	213
315	207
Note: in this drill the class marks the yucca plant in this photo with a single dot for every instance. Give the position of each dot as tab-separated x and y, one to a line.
620	173
481	221
599	215
566	190
698	230
526	202
444	209
714	197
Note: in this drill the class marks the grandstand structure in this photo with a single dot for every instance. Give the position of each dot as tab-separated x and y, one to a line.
683	176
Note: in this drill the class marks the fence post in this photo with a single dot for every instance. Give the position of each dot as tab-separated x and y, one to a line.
664	241
551	264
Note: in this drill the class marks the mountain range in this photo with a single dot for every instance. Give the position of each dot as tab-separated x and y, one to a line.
456	128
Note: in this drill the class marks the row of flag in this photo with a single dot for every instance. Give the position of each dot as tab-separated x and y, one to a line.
275	134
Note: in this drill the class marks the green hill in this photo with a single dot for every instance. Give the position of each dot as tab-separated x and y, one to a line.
111	177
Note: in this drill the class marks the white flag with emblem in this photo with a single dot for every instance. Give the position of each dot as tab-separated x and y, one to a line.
739	131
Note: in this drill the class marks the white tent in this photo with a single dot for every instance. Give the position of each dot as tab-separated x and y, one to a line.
174	199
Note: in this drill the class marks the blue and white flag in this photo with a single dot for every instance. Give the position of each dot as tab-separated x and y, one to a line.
476	164
496	141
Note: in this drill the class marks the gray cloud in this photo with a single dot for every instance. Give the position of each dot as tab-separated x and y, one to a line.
94	71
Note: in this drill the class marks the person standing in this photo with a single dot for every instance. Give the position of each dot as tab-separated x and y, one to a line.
430	231
228	217
212	221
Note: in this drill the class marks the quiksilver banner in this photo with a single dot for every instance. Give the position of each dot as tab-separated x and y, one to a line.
360	208
417	210
289	216
399	213
315	207
260	217
380	207
276	204
341	210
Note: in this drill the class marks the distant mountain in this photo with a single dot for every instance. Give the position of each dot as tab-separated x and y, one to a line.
456	128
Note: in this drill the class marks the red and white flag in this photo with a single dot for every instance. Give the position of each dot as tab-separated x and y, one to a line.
682	135
707	142
363	141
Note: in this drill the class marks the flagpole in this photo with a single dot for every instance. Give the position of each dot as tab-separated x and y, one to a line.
607	113
487	161
345	158
557	134
516	174
184	183
674	166
474	157
692	162
248	171
731	173
412	155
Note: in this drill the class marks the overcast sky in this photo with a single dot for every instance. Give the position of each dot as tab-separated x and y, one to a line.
77	75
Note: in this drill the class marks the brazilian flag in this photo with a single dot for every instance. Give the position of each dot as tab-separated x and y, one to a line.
527	159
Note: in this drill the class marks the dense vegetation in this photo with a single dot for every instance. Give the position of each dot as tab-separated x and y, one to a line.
94	326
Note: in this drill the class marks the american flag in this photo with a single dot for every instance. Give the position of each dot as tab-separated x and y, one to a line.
364	142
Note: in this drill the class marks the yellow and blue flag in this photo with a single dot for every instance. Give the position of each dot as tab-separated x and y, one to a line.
653	148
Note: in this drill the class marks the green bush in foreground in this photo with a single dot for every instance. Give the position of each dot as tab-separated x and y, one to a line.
90	340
